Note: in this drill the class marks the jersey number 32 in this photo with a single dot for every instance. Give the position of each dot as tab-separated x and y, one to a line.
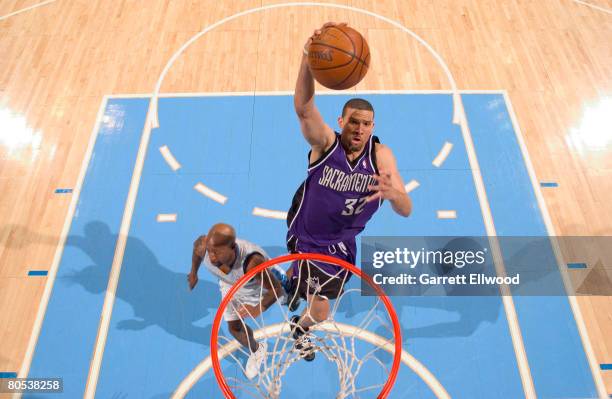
353	206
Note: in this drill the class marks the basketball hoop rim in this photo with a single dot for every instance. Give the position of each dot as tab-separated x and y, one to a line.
397	333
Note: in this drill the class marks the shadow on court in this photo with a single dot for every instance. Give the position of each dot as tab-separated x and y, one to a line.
157	295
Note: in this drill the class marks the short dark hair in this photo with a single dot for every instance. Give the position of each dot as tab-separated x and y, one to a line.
357	103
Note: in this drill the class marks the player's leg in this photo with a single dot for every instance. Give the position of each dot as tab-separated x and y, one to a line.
235	324
316	287
278	273
293	297
292	285
318	283
316	311
243	334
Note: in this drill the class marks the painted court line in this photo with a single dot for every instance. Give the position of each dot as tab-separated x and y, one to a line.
447	214
26	9
42	308
63	191
38	273
268	213
412	185
586	342
210	193
443	154
576	265
170	159
113	280
166	217
498	261
606	10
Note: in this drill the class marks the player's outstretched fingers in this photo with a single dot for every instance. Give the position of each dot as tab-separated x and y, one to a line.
317	32
330	23
383	187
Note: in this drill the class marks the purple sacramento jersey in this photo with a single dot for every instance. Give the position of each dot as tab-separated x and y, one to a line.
329	208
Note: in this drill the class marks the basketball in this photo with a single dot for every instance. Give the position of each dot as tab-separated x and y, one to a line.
339	57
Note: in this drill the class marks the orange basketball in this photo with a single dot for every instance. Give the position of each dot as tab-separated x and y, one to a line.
339	57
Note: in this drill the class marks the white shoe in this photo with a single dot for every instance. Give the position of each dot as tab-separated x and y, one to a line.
255	360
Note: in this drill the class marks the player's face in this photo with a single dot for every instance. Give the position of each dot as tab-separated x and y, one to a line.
357	126
220	254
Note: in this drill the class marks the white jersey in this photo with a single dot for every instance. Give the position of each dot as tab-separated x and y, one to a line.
252	291
244	249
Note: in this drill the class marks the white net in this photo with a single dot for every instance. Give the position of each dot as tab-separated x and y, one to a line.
354	342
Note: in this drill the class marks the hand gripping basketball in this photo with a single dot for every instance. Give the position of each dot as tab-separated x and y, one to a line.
338	56
317	32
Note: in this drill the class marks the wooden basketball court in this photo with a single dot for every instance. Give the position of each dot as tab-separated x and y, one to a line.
61	59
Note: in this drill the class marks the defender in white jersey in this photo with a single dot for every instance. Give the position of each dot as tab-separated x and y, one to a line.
229	258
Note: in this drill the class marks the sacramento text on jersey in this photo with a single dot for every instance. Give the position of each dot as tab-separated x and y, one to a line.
426	279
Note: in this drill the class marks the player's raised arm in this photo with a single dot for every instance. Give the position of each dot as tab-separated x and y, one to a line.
318	134
389	182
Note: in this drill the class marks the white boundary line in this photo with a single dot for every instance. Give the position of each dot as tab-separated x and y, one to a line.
411	185
586	342
169	158
606	10
166	217
42	307
446	214
44	3
443	154
283	328
498	261
210	193
269	213
113	281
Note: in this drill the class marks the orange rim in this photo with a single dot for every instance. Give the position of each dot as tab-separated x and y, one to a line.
397	334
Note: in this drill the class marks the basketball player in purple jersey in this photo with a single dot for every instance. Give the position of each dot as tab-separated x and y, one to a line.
349	175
